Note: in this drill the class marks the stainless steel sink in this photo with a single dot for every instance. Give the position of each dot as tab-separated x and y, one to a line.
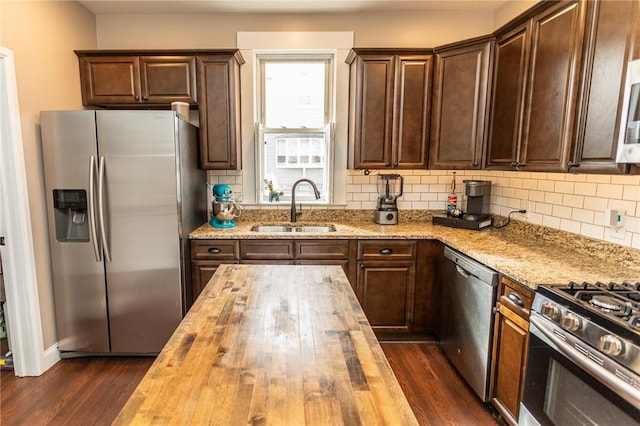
318	229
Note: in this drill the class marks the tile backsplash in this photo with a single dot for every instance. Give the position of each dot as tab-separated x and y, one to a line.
574	203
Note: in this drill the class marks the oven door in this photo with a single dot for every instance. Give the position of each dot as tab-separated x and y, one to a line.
564	387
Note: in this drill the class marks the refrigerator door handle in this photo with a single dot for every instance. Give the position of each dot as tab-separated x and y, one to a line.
103	234
92	209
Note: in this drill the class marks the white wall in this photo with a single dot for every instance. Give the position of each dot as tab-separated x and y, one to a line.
372	29
43	35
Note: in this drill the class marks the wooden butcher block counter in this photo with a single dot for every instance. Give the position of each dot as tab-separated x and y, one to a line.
271	345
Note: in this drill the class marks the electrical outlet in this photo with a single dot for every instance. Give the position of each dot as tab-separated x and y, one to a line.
618	233
526	205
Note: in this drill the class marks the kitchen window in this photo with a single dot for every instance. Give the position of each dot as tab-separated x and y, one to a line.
294	129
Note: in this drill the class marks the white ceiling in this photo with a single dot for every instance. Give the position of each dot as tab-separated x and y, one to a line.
280	6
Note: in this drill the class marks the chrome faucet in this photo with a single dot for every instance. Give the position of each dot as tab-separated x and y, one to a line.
294	213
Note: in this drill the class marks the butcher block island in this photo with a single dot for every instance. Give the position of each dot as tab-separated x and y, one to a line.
272	345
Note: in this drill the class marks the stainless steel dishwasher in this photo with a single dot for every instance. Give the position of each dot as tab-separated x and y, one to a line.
466	326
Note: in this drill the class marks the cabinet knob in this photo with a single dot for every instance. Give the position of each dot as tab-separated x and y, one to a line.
214	250
475	164
386	251
387	164
361	266
145	98
572	164
395	164
136	97
495	310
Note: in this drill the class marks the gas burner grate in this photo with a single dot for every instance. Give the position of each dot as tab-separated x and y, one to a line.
619	300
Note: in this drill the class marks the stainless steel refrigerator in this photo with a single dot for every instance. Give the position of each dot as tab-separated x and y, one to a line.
123	192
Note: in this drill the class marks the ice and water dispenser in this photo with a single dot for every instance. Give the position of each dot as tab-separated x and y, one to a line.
71	215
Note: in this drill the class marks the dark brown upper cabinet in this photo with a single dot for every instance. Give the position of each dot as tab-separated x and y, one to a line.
219	109
111	78
389	108
536	76
611	26
462	78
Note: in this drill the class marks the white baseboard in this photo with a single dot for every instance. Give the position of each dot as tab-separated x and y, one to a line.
51	356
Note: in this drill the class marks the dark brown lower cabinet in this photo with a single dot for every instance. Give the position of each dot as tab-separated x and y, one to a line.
206	256
385	291
394	280
201	273
385	286
511	338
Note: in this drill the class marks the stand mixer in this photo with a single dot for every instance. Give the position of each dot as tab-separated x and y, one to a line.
387	211
225	208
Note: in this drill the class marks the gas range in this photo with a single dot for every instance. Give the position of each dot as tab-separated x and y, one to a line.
604	316
583	360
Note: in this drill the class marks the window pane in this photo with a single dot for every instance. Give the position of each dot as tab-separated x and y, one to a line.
294	94
288	157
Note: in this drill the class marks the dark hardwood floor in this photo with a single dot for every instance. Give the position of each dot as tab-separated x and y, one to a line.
436	392
91	391
80	391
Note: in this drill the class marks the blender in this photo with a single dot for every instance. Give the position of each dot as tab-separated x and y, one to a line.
387	211
225	208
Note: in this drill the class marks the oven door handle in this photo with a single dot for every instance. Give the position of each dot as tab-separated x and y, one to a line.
625	390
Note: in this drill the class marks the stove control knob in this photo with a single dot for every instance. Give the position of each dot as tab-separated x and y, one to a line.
550	310
571	322
611	345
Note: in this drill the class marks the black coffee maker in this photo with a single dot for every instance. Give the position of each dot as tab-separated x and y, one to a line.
477	194
475	213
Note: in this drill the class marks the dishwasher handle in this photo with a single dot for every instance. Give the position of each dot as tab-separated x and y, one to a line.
462	272
470	267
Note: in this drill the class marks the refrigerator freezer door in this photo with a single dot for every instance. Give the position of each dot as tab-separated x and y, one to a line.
141	209
68	142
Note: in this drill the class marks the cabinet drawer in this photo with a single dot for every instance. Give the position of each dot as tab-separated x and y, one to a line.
266	249
516	297
387	250
322	249
214	250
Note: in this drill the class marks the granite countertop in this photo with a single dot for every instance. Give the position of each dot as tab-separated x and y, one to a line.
275	345
530	254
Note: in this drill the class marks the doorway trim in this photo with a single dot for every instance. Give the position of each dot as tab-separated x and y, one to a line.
21	287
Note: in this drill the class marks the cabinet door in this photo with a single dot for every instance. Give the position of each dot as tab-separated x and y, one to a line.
556	37
328	252
412	112
110	80
166	79
219	111
385	291
507	99
372	79
510	347
610	27
461	84
510	351
201	273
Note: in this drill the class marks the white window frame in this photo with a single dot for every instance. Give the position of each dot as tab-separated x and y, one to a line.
312	55
251	42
